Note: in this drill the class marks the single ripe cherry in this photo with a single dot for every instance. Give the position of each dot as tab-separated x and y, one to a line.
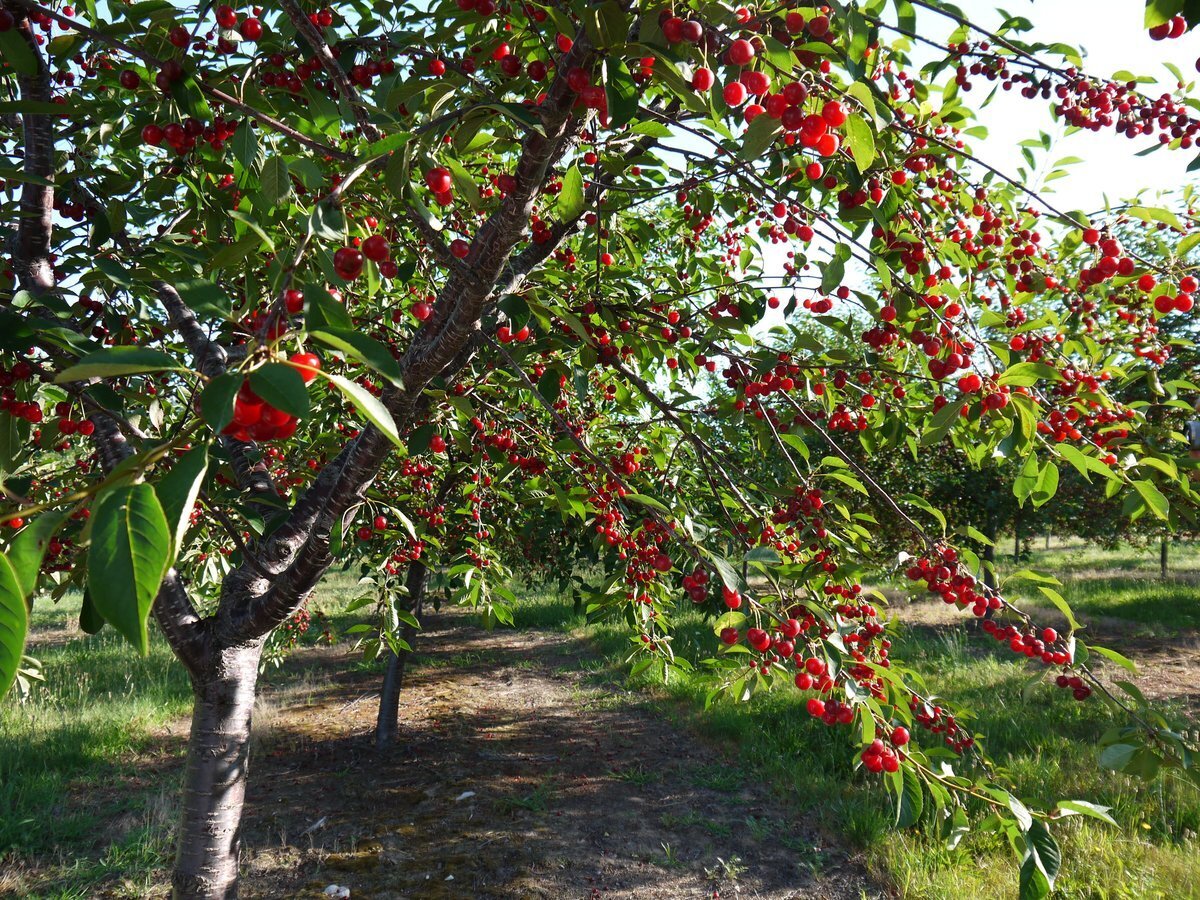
439	180
375	248
741	52
306	364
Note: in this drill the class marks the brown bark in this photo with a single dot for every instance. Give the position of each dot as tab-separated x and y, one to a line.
393	676
206	864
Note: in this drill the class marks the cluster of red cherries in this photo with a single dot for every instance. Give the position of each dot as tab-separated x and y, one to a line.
256	420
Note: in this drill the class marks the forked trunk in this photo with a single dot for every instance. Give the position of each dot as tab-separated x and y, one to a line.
393	676
214	790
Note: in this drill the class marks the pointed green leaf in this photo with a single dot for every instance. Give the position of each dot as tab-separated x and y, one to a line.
178	490
113	362
370	407
129	554
570	199
366	350
281	386
14	624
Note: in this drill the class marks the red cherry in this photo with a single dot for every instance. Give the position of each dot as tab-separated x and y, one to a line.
348	262
226	17
152	135
734	93
439	180
900	736
741	52
251	29
459	248
306	363
422	311
375	248
293	300
129	79
437	444
381	523
702	79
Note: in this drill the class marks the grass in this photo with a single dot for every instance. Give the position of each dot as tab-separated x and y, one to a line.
88	779
100	703
1123	584
88	783
1043	743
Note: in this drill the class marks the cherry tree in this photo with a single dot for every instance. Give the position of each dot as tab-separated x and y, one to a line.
276	276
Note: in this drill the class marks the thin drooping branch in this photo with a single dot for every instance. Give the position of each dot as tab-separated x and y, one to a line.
325	57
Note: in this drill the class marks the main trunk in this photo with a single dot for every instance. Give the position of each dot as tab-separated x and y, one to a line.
393	676
206	865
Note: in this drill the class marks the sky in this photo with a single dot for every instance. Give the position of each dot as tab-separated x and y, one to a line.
1113	38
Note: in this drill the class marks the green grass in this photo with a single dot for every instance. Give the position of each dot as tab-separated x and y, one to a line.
100	703
84	751
1045	743
1124	583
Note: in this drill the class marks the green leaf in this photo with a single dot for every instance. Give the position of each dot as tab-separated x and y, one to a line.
834	271
1034	884
861	141
1041	845
216	400
14	624
464	184
909	800
1084	464
129	554
190	98
1047	484
1026	483
281	386
178	490
1027	374
366	350
622	93
1113	656
29	547
571	201
731	619
1117	756
18	54
1084	808
758	137
116	361
1156	214
606	24
245	145
275	182
1060	602
322	312
1159	12
90	620
370	407
1153	498
204	296
327	221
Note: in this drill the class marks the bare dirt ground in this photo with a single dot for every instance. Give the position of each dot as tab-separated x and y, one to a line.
514	777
